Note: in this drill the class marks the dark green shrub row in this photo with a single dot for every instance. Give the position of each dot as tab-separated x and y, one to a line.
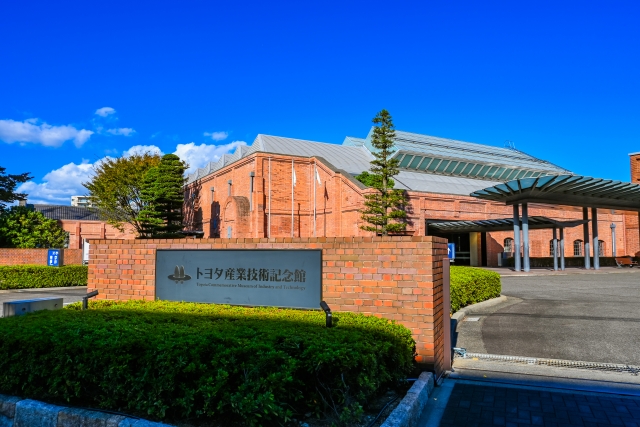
41	276
568	261
201	362
471	285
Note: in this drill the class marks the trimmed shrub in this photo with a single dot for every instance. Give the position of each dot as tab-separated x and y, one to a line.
471	285
203	362
41	276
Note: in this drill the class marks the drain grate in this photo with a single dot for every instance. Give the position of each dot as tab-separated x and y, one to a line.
461	353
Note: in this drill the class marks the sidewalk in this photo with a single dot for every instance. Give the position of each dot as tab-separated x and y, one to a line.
555	397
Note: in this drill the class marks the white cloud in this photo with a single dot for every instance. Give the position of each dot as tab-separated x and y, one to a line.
32	131
105	111
59	185
141	149
198	156
217	136
121	131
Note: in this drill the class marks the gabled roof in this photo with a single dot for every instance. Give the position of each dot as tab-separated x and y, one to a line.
59	212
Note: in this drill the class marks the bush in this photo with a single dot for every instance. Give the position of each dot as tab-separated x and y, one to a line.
40	276
203	362
471	285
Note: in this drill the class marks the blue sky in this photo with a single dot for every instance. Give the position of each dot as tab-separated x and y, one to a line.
83	80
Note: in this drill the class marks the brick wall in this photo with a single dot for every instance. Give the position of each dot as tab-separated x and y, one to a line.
12	256
398	278
338	198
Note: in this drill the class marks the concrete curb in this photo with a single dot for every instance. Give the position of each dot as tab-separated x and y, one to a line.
407	413
18	412
459	315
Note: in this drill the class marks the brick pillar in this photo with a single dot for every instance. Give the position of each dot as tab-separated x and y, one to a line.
635	167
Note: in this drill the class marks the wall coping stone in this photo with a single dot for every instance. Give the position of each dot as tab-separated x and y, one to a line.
19	412
408	411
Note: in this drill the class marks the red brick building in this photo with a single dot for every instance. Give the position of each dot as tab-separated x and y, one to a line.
283	187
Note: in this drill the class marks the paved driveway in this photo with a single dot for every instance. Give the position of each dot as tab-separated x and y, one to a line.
69	295
588	317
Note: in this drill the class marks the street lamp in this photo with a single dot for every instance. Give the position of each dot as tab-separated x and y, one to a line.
613	238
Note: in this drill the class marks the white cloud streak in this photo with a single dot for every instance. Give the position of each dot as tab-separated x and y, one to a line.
32	131
217	136
105	111
121	131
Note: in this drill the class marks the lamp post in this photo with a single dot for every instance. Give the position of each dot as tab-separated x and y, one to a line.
613	239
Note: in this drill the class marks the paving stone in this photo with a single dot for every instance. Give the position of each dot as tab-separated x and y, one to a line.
470	405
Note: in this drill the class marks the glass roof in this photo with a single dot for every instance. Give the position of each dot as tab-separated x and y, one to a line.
566	190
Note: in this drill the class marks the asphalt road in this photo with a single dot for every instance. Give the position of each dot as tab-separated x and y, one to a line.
594	318
69	295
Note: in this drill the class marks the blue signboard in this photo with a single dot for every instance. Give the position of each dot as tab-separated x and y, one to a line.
452	250
53	258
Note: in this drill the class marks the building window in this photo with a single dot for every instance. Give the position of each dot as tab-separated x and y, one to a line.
508	244
600	247
551	247
577	248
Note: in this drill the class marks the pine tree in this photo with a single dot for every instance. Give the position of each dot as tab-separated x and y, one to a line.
384	209
169	196
149	217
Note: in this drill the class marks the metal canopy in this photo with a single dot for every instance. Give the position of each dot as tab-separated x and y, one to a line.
567	190
504	224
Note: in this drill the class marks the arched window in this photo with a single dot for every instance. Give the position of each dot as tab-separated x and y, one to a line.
508	244
551	247
600	247
577	248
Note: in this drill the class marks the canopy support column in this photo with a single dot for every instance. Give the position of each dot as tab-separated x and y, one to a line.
585	229
562	248
596	243
555	249
525	237
516	236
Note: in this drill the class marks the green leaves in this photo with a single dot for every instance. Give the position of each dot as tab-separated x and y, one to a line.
205	362
40	276
21	227
8	185
163	196
384	209
116	186
471	285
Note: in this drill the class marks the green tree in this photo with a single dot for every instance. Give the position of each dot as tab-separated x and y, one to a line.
384	210
8	185
115	188
21	227
371	180
149	217
164	198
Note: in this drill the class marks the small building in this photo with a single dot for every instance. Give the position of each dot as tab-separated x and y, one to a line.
286	188
81	201
82	223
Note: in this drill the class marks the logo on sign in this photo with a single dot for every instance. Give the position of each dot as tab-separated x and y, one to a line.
178	275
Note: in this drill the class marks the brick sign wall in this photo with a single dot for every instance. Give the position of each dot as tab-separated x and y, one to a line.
398	278
12	256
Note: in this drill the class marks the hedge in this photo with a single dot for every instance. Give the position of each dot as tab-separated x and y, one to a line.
203	362
568	261
40	276
471	285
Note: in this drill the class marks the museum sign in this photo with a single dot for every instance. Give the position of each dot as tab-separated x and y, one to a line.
270	277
